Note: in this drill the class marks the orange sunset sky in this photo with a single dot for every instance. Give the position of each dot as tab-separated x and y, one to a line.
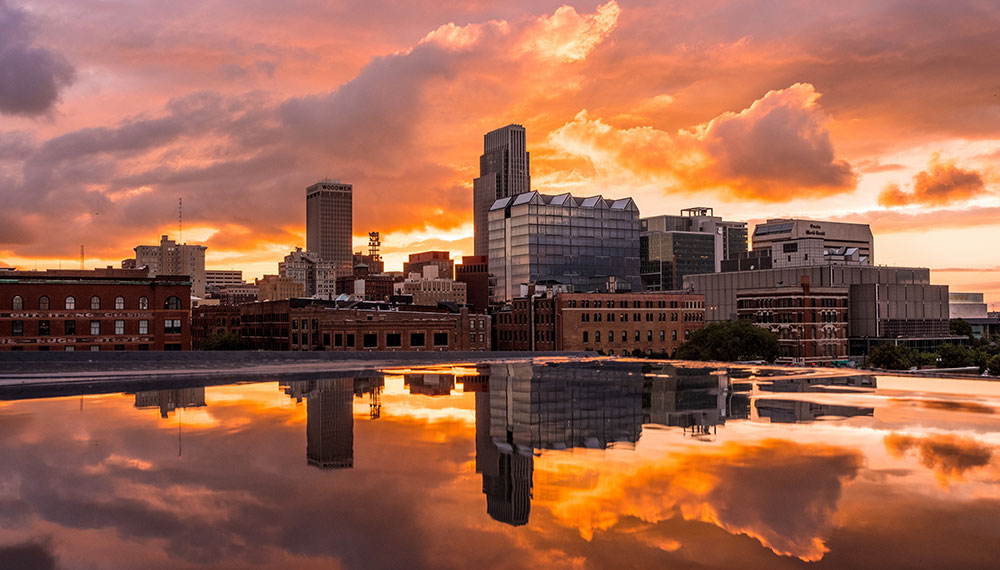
886	113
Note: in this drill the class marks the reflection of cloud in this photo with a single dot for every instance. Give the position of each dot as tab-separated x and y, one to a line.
948	456
782	493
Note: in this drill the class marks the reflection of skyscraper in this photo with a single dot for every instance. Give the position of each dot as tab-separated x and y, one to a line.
798	411
507	476
330	424
169	400
430	384
329	419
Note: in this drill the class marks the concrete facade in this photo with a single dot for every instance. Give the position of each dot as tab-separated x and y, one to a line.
277	288
330	222
317	276
171	258
836	238
440	259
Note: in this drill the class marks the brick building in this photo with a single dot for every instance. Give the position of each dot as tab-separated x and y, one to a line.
440	259
277	288
213	319
810	322
103	309
475	273
613	323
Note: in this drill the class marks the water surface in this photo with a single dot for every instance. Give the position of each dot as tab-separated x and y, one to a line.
562	465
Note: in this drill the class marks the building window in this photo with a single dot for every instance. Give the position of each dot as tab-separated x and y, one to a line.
17	328
482	337
43	303
338	340
673	334
441	339
586	336
119	302
143	327
369	340
394	340
119	347
663	335
71	302
69	328
350	341
70	348
17	303
95	303
326	339
597	336
172	303
95	327
95	348
172	326
295	337
172	347
649	335
43	328
636	336
417	339
144	303
624	336
143	347
119	327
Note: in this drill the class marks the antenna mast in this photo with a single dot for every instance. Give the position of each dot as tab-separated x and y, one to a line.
180	220
81	257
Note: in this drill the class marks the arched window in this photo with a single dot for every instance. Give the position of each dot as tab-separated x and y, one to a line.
119	302
71	302
172	303
144	303
17	303
43	303
95	302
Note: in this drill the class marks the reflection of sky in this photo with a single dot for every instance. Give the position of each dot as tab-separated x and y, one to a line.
95	482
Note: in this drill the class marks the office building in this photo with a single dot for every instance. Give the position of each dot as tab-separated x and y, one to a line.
440	259
223	277
372	261
363	284
277	288
591	244
429	290
504	170
329	222
966	306
794	242
317	276
475	273
102	309
694	242
884	304
171	258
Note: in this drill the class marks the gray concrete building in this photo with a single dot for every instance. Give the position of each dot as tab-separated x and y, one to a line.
694	242
884	304
317	276
801	242
504	170
172	258
329	222
589	243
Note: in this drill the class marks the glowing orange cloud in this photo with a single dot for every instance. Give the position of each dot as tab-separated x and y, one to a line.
941	184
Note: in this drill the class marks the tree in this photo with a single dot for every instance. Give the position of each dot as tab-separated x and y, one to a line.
958	327
223	341
892	357
955	356
730	341
994	365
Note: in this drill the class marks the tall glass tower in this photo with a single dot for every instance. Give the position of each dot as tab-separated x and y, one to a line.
503	171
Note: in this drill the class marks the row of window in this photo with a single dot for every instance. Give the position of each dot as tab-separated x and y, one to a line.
44	303
783	302
69	328
636	304
636	337
370	340
638	317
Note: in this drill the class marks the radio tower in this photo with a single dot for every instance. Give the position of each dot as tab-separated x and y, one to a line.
374	243
180	220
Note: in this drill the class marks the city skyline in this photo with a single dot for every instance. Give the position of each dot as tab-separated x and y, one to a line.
840	113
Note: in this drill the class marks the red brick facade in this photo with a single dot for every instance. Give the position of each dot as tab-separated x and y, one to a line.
104	309
613	323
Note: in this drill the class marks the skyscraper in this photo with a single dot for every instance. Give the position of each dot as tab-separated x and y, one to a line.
172	258
329	222
503	171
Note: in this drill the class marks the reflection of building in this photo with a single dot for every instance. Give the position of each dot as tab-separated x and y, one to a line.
798	411
329	420
169	400
507	475
690	398
430	384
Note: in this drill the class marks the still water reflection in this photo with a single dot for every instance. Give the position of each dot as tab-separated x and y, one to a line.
568	464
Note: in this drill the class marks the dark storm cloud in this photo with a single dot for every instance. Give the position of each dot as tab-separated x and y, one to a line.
31	78
27	556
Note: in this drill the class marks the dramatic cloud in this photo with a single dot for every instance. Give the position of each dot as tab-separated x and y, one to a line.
941	184
777	145
31	77
568	36
948	456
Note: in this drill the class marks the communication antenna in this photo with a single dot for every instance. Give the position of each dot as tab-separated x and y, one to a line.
374	243
180	220
81	257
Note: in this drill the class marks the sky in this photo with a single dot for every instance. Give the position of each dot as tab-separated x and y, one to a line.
885	113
